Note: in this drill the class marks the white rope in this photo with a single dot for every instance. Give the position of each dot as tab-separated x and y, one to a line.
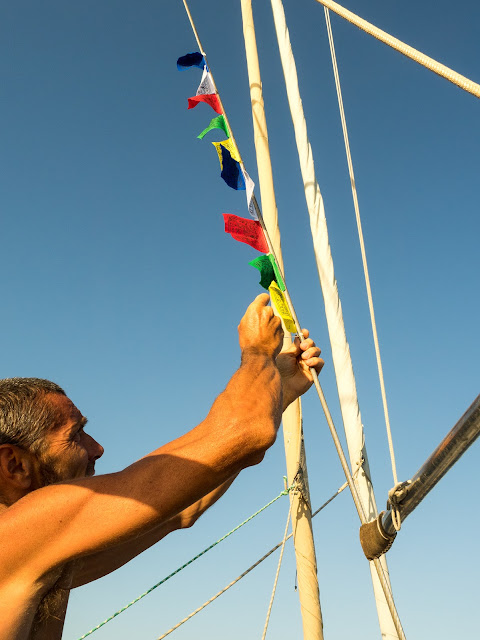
427	62
362	245
217	595
395	496
272	597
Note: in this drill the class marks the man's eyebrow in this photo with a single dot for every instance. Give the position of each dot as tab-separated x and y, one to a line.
81	422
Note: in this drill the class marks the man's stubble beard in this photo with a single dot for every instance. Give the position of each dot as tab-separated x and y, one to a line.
48	474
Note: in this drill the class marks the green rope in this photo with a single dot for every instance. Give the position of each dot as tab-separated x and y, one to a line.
199	555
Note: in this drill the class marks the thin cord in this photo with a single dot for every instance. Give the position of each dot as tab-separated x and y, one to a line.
267	555
277	574
429	63
362	245
184	566
192	24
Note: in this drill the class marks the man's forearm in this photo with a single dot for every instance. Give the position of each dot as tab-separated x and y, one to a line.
254	394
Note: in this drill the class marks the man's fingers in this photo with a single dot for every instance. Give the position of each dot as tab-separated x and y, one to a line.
261	300
315	363
309	344
312	352
306	344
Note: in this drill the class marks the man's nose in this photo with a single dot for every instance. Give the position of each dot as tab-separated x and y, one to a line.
94	448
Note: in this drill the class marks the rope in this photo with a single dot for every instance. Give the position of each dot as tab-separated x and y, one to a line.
272	597
395	496
427	62
247	571
217	595
195	32
362	245
199	555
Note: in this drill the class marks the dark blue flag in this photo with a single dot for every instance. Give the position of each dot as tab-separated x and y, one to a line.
231	172
191	60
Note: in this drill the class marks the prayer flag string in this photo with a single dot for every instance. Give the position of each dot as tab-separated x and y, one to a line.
249	231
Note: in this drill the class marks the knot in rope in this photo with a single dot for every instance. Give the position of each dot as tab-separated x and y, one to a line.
395	497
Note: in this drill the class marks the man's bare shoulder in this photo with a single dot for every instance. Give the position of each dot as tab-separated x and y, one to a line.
22	531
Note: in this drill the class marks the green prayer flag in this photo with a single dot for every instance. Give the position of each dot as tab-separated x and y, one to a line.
269	271
278	277
216	123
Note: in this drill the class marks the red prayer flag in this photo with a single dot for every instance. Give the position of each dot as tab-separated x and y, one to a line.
246	230
209	98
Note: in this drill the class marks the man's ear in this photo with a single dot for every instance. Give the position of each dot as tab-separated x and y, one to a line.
16	466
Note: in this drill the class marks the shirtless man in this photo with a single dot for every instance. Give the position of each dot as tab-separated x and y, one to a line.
60	527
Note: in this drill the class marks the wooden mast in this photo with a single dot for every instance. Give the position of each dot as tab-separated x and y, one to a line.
292	418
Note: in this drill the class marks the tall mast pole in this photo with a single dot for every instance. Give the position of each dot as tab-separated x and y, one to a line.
292	417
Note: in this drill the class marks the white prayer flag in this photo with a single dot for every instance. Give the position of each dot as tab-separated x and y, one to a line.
249	187
206	84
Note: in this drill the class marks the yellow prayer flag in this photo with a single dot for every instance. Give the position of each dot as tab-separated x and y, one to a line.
228	144
278	299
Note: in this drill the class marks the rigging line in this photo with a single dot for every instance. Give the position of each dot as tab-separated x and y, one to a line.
272	597
247	571
362	245
184	566
192	24
449	74
299	332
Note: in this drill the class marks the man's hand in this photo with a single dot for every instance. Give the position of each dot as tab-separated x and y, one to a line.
260	330
294	365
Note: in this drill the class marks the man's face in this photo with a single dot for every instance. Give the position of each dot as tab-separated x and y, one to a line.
71	453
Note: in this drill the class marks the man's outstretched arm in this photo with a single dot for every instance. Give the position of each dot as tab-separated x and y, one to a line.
68	521
294	365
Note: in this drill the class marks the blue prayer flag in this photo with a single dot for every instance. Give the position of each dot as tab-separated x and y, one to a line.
191	60
231	172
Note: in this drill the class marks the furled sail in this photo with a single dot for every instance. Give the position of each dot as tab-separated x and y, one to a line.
340	350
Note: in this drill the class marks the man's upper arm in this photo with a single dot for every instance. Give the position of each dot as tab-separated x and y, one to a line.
64	522
101	563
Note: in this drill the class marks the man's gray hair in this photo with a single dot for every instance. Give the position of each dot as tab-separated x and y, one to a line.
25	416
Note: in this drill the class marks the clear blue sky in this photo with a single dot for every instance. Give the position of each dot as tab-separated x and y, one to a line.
119	283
